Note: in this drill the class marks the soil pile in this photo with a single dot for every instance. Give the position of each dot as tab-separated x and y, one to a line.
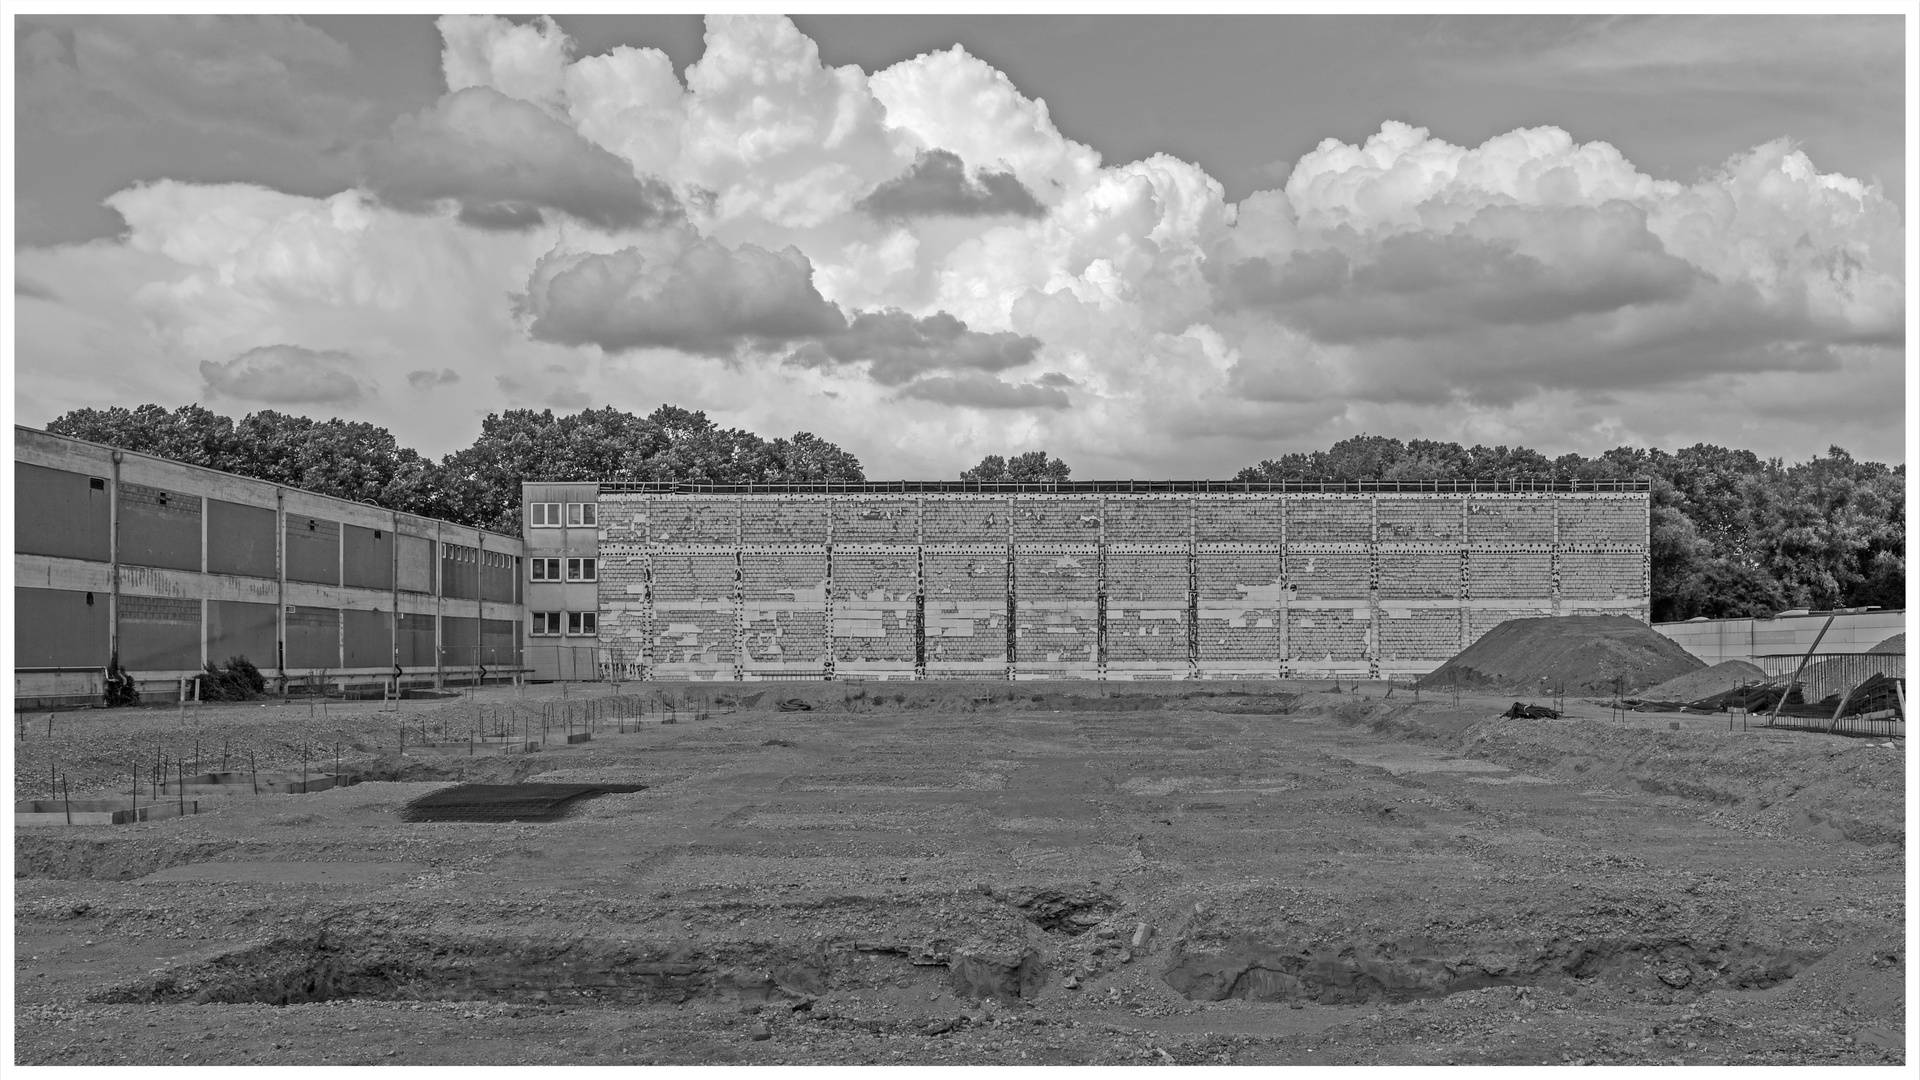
1895	644
1706	682
1583	653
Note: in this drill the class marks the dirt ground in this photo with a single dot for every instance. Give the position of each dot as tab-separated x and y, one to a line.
983	874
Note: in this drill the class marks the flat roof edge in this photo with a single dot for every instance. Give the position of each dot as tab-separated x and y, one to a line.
1118	487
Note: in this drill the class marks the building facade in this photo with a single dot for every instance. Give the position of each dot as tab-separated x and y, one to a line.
1788	634
1077	581
167	567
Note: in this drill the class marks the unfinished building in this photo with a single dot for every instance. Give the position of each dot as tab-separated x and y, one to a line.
1127	580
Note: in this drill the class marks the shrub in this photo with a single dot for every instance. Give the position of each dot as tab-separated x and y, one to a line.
238	681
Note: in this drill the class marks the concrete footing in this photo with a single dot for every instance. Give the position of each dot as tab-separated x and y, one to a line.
97	811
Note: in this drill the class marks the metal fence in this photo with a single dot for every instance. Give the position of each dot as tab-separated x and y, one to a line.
1828	674
582	663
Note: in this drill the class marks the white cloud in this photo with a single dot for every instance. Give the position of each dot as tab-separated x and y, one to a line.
1533	288
525	61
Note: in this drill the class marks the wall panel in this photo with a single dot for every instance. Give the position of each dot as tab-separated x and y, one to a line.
60	513
237	628
159	527
59	628
240	539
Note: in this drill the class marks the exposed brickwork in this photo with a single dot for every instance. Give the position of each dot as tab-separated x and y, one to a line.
1115	585
783	521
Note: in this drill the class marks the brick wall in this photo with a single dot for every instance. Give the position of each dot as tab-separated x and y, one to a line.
1100	586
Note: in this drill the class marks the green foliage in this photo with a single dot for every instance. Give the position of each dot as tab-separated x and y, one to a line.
1730	534
121	690
1033	466
479	485
238	681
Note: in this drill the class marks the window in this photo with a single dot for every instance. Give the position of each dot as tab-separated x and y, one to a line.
581	513
582	622
546	569
546	623
580	570
544	515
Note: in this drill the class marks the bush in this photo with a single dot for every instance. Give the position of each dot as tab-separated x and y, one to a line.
239	681
120	688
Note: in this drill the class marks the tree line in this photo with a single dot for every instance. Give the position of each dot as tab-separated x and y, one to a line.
1733	534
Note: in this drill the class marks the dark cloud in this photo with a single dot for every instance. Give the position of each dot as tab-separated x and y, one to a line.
269	75
707	299
1422	284
503	160
285	375
501	217
979	391
1055	378
426	380
938	185
34	290
900	348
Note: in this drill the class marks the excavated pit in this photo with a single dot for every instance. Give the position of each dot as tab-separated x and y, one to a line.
1253	971
303	969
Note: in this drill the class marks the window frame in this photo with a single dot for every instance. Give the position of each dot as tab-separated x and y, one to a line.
583	568
548	619
538	563
583	624
550	511
583	515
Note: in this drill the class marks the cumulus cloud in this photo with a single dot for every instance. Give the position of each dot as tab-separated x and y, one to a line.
704	298
977	391
285	375
270	75
526	61
938	185
503	160
898	347
1532	289
427	379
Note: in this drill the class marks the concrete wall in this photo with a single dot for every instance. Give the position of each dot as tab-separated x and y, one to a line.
199	572
1109	586
1715	640
563	655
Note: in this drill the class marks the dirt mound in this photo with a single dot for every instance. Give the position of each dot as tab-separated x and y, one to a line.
1704	683
1895	644
1583	653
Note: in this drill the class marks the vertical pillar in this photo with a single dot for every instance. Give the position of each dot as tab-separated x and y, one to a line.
437	565
1013	608
920	587
647	654
280	569
1100	597
831	648
739	589
1465	589
1281	615
1373	587
206	605
1193	589
113	563
1553	556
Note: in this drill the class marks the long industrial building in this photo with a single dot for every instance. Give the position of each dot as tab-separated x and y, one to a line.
1102	580
165	567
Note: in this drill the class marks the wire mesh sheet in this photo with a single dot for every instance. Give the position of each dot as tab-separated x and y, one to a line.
505	802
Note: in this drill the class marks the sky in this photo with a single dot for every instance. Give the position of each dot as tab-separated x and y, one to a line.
1154	246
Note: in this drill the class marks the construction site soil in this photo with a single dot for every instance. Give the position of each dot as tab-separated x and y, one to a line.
927	873
1575	654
